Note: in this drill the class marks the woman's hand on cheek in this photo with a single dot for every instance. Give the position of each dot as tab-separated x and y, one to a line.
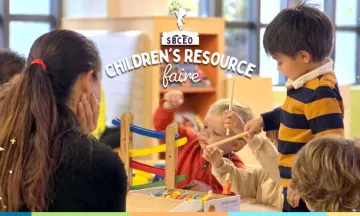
95	107
88	112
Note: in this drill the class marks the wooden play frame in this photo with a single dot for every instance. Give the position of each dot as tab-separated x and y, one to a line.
126	146
158	204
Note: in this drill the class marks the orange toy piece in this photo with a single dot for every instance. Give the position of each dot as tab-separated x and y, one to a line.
227	185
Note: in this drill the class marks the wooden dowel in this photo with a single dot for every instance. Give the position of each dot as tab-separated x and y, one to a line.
227	140
230	105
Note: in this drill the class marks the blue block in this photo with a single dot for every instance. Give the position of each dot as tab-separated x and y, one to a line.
157	177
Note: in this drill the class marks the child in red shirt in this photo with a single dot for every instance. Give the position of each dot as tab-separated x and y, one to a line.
190	161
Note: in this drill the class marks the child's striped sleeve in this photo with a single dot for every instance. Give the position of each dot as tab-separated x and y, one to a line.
325	112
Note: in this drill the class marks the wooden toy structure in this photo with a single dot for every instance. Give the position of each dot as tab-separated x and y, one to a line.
150	203
127	152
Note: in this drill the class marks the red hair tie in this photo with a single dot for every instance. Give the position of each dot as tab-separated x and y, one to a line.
40	62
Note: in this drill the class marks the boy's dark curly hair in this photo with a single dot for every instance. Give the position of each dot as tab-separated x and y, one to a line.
303	27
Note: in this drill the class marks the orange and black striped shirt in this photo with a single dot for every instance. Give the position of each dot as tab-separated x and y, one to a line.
310	111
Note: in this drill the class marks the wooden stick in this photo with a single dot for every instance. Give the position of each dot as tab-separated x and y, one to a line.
230	105
227	140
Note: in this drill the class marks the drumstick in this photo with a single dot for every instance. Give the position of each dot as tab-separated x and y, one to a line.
227	140
230	105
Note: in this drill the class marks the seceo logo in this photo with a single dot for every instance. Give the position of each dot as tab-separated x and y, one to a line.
179	37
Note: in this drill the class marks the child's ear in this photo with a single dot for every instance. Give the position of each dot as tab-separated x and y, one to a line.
305	56
237	145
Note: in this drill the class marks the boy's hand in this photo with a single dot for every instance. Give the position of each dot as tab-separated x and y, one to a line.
88	113
173	99
253	127
199	186
293	197
233	121
213	155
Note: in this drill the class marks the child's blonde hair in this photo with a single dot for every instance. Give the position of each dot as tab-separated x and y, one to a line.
326	174
238	107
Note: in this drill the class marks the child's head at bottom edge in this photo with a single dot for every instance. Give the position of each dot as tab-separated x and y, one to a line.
213	129
326	174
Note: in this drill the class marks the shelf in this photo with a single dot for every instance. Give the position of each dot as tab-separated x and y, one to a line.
190	90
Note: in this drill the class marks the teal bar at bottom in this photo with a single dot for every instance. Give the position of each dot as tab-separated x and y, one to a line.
15	214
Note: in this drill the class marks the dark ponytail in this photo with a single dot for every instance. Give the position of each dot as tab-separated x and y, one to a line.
35	114
28	117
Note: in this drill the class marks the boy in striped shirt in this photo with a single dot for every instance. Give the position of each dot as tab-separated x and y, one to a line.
301	39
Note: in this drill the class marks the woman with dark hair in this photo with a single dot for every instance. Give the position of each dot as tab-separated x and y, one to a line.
47	162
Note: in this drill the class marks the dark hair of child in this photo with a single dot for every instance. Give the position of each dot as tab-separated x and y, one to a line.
301	28
11	63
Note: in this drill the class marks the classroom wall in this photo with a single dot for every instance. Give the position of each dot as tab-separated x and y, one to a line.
84	8
279	97
355	114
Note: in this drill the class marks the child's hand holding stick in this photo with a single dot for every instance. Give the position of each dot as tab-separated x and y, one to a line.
213	155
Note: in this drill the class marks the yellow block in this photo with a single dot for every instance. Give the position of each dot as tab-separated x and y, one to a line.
156	149
139	181
142	174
